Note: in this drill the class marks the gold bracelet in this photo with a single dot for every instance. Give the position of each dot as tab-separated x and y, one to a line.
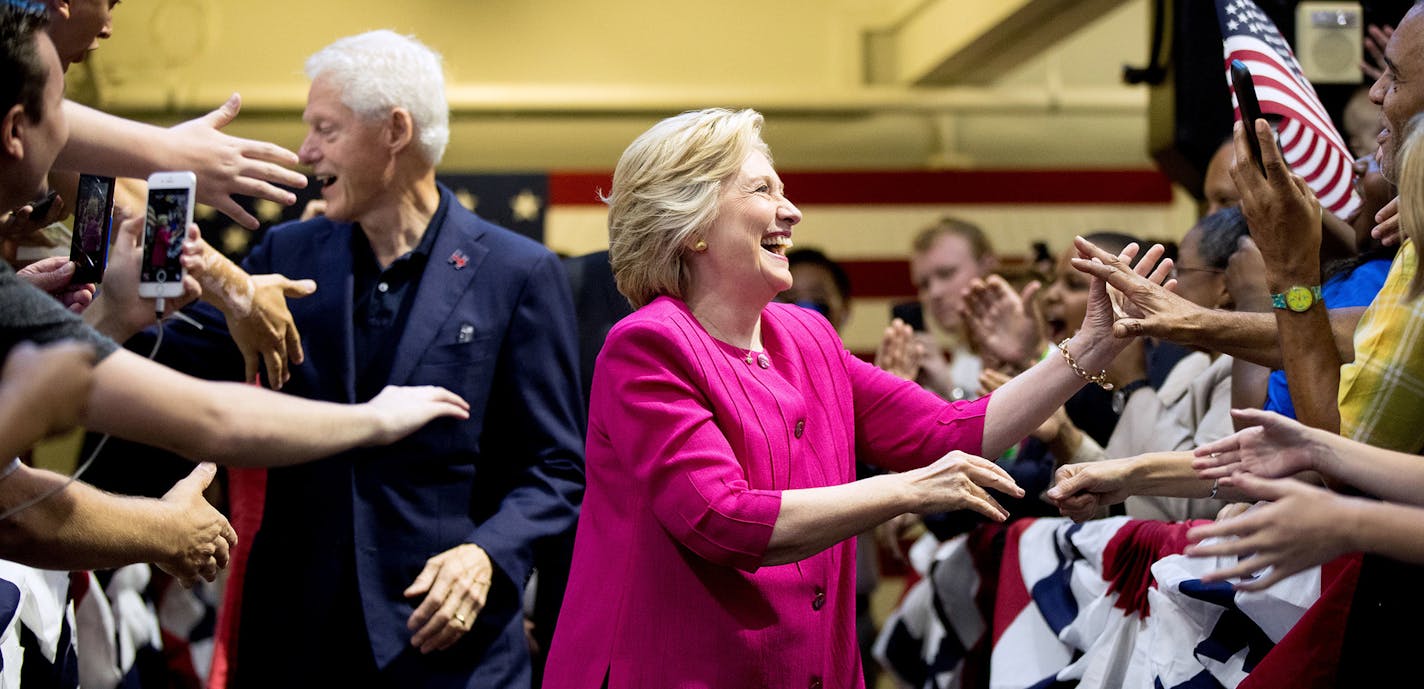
1101	379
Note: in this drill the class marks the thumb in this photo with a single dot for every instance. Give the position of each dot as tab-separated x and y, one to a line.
1249	416
299	288
52	279
1065	487
199	478
225	113
1127	327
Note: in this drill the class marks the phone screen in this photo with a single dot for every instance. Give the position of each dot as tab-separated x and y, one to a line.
93	216
163	235
1250	108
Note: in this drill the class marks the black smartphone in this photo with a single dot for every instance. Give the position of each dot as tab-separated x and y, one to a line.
39	209
1250	108
911	312
93	218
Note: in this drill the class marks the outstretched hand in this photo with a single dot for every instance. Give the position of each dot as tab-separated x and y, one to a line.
227	165
400	411
1301	527
1274	447
200	539
957	481
1084	491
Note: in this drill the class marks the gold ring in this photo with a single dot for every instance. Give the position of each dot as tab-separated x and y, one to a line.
460	617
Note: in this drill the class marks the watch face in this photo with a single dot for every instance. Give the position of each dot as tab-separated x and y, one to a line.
1299	298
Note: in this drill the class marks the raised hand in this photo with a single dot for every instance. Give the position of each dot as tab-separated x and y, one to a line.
1376	38
1280	208
1246	278
1004	324
1274	447
118	311
1387	228
1149	305
899	352
255	307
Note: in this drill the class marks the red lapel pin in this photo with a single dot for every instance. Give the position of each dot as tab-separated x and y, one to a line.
459	259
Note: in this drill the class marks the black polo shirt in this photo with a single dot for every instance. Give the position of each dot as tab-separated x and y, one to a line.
381	301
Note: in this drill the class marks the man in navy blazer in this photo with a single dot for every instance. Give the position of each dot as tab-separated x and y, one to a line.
404	565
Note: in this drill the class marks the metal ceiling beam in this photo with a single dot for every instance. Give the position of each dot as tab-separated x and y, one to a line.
955	42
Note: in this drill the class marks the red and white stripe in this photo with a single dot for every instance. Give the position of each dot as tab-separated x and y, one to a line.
1311	145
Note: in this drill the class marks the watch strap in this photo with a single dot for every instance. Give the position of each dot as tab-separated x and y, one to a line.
1278	300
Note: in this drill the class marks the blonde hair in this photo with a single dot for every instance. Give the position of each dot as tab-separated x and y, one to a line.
665	191
1411	194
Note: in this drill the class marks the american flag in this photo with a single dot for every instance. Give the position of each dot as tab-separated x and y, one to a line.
1312	146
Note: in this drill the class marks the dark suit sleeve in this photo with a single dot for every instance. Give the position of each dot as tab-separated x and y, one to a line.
534	426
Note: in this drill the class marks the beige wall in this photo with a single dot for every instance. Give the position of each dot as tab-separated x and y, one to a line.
566	84
538	84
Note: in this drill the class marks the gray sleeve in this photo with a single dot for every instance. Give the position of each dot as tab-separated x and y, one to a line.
27	314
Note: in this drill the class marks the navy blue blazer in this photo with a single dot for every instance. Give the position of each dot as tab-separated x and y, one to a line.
499	331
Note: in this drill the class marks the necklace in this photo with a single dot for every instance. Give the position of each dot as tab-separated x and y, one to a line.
748	355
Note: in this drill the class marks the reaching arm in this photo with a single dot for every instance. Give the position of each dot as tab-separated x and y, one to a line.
255	308
241	425
1304	526
1274	446
1023	403
225	165
1284	217
80	527
1081	491
813	519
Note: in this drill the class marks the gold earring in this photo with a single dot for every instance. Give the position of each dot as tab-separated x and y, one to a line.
701	245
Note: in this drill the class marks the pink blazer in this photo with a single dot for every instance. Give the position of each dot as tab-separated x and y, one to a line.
689	448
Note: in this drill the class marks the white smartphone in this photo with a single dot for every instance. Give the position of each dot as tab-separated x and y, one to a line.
170	211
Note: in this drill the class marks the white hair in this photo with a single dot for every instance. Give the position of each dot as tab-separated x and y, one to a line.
379	71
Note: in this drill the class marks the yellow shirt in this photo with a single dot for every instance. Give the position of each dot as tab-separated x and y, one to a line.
1382	390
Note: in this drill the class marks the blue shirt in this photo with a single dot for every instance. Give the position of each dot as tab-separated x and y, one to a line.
1357	288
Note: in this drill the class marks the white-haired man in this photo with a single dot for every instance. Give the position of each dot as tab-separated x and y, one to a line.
404	566
125	394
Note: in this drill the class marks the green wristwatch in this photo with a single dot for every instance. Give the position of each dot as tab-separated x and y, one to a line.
1298	298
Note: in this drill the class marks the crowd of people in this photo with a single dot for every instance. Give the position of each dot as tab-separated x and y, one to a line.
487	465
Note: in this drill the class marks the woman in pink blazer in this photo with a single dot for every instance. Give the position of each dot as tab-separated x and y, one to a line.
715	544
